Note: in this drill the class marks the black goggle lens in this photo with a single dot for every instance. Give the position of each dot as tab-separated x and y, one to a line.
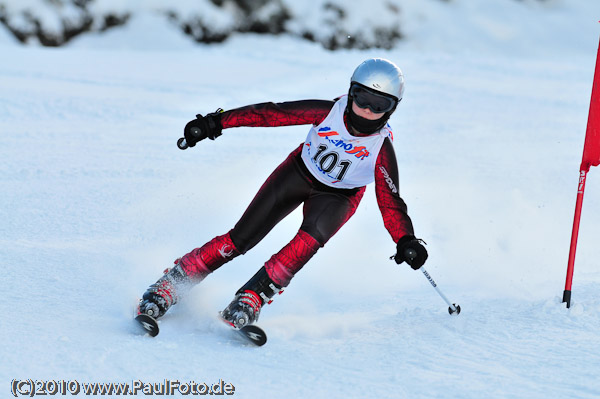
377	103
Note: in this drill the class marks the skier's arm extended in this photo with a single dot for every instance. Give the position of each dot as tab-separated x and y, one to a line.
392	206
271	114
264	114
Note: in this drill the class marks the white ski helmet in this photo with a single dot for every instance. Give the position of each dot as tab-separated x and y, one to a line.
380	75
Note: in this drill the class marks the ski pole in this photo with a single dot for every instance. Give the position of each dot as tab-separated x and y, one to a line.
452	307
182	144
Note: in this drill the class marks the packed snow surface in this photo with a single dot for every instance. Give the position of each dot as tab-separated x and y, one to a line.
96	200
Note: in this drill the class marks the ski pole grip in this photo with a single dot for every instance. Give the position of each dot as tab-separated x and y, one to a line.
181	144
410	253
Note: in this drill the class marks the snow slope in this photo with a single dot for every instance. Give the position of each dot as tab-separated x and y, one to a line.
97	200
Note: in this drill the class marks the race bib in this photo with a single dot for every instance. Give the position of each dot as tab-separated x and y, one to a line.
338	159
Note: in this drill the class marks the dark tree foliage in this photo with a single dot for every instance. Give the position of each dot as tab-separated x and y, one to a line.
250	16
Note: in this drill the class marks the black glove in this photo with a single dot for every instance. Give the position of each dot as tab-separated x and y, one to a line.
411	250
203	127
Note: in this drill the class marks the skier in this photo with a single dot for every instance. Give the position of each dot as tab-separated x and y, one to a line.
348	146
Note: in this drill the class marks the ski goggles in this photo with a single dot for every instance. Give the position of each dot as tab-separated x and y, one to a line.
376	102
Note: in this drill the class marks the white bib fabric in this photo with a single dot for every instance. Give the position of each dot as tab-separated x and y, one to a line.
338	159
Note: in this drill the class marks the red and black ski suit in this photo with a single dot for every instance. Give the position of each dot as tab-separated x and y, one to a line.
326	208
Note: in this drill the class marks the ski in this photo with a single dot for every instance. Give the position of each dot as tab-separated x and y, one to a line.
250	333
148	324
253	334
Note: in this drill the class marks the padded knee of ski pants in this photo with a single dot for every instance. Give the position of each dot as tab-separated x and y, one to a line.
284	265
209	257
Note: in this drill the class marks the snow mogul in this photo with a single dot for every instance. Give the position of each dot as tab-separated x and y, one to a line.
348	146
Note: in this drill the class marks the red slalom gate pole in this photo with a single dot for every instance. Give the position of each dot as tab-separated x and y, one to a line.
574	236
591	157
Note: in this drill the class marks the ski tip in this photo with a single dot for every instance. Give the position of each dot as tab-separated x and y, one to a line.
148	324
254	334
